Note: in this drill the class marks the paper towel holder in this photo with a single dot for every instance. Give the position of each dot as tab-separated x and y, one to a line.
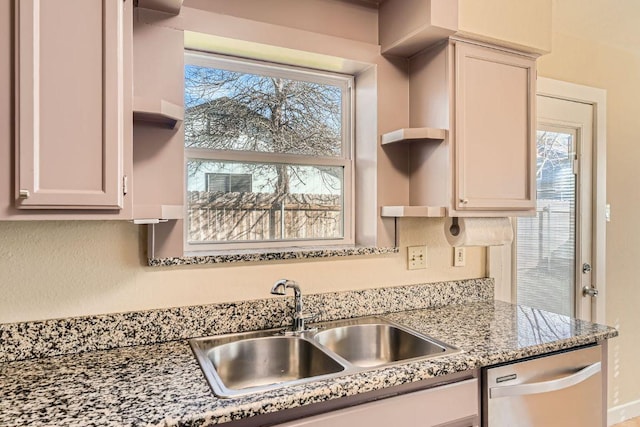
455	227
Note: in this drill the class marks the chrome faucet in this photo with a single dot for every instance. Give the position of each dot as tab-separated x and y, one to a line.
299	318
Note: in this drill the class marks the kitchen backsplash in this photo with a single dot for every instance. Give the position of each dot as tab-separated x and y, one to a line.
27	340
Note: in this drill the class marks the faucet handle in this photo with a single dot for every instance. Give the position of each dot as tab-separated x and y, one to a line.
306	316
316	316
300	321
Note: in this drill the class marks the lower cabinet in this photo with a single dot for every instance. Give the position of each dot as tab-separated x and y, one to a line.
452	405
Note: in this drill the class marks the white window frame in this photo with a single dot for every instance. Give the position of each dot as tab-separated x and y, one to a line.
346	161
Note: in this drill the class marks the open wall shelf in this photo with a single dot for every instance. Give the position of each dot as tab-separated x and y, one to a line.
414	211
157	111
408	135
161	212
414	134
167	6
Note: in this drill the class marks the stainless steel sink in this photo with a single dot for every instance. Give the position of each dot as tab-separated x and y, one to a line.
252	364
238	364
377	344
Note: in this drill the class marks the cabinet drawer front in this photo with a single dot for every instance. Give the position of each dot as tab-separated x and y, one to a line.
422	408
494	122
69	100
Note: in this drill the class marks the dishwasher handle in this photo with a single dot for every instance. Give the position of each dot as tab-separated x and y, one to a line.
546	386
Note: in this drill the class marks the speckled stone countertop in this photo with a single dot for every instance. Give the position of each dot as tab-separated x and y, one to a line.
162	385
27	340
271	255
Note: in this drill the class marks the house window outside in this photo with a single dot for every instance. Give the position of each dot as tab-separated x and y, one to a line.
228	182
268	155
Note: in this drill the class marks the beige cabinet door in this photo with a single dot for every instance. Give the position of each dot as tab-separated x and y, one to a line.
453	405
69	104
494	160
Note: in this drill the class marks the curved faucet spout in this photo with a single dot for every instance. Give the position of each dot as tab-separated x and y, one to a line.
280	288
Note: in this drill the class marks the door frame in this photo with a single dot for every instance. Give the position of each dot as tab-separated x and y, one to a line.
499	259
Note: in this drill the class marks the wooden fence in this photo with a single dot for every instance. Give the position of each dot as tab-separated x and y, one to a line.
219	216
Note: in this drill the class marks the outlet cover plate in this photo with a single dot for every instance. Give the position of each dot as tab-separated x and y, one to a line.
459	257
416	257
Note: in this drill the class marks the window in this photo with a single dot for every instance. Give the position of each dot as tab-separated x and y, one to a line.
546	243
268	155
229	182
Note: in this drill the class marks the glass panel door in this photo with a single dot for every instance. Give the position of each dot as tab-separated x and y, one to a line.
546	243
553	250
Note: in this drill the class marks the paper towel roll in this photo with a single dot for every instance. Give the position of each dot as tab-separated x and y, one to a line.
478	231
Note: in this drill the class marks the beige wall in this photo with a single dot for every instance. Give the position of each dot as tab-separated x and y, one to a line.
515	23
591	47
70	268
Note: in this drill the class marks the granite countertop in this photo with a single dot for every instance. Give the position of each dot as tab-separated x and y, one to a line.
162	384
273	255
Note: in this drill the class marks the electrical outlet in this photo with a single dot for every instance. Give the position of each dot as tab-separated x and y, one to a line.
417	257
459	257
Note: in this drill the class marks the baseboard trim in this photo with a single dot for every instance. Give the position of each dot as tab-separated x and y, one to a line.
621	413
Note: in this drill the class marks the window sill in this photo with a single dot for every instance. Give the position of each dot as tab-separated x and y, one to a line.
271	255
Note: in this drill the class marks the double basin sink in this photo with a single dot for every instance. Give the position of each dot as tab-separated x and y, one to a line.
239	364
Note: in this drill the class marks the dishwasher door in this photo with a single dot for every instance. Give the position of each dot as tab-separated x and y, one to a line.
563	390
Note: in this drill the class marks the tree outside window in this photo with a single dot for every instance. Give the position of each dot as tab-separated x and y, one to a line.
285	131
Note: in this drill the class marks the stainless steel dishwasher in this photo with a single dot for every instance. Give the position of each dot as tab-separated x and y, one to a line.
563	389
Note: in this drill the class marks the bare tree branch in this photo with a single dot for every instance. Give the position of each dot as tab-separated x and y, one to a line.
229	110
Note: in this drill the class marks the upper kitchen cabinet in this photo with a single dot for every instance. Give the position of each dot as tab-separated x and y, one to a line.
494	148
484	96
72	107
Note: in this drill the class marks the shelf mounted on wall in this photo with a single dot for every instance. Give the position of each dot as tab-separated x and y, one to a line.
157	212
158	111
414	134
413	211
171	7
